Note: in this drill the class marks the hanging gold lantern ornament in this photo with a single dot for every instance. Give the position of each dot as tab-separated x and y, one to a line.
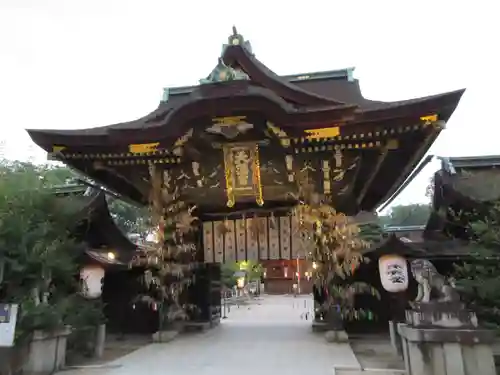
393	270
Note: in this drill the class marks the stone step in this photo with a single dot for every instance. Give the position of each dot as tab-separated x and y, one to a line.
368	371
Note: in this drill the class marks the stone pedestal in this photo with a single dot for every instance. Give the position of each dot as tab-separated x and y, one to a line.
443	338
47	352
395	339
441	314
444	351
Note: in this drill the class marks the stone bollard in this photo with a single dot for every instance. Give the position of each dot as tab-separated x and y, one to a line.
100	340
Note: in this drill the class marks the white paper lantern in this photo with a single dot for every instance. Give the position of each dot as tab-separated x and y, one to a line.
92	279
393	271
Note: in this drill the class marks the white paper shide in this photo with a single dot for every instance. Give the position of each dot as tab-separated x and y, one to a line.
393	271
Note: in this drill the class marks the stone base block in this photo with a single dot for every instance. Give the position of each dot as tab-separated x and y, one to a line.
440	351
196	326
319	326
336	336
215	322
47	352
395	339
441	314
164	336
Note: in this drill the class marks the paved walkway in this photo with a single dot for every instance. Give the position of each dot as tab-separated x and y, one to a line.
268	337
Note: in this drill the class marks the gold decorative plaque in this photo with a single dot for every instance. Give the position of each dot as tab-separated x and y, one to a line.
242	171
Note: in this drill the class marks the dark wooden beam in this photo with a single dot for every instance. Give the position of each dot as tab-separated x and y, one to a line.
122	189
380	161
432	133
142	186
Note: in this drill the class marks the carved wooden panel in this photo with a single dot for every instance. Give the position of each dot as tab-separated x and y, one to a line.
240	240
274	238
229	242
285	238
208	241
252	242
250	239
263	238
218	242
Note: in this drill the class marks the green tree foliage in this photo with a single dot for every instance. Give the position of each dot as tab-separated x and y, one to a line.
37	254
48	175
130	218
253	270
403	215
227	274
336	246
478	280
371	233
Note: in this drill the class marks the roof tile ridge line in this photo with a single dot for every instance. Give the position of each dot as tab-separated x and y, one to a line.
256	62
321	74
326	107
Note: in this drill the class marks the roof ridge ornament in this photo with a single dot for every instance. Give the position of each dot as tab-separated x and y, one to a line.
223	73
236	39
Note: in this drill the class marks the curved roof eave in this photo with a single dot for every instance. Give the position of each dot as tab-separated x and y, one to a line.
95	207
95	133
139	129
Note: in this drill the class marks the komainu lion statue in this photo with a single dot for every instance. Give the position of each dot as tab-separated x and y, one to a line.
431	284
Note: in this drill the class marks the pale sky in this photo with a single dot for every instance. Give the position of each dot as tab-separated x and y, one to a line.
68	64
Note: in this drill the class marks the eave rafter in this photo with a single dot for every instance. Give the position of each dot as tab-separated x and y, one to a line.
109	178
141	185
380	161
432	132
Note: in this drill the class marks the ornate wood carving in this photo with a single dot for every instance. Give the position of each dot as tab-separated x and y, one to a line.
242	172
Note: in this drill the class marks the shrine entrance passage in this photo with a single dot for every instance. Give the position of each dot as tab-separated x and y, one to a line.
272	240
268	338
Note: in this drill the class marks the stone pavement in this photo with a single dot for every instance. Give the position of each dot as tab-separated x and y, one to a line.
264	337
